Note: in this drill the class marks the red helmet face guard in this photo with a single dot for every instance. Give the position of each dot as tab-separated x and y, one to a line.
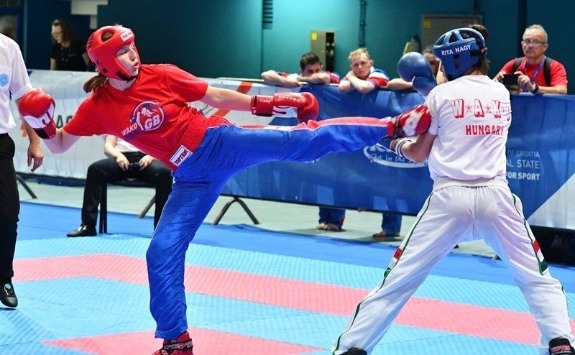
103	52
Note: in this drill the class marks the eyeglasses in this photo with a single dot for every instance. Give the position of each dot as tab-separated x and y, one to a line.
528	42
55	34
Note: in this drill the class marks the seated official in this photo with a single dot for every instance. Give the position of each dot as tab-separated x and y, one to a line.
124	161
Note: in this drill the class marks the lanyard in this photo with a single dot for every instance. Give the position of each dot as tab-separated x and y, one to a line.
536	71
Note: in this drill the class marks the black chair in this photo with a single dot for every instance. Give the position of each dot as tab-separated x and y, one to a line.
103	228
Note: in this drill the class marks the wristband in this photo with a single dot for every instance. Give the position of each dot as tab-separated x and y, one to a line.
399	145
536	90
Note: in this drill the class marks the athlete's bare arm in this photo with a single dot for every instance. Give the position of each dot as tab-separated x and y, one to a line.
61	142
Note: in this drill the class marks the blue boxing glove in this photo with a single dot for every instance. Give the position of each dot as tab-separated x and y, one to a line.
413	67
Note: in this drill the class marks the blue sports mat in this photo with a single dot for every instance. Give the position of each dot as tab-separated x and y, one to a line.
38	221
86	310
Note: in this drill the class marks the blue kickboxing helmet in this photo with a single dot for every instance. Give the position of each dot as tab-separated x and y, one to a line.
459	50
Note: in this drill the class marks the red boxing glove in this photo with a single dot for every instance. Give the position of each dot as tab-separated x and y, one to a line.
304	105
413	122
37	108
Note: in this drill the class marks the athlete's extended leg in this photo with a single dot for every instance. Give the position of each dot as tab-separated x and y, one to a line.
439	226
245	147
513	241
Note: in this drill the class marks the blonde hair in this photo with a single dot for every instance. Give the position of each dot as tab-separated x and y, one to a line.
358	52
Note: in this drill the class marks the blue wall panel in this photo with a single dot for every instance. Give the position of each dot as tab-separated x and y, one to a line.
225	37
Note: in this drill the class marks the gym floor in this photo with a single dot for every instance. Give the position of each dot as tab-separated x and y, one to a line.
279	287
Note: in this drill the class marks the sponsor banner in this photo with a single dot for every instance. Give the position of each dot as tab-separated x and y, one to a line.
372	178
540	152
541	158
540	162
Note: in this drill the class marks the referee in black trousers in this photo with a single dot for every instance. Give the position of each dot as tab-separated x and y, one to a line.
14	83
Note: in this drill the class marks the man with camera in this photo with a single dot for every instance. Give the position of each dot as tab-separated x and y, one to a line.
535	72
124	161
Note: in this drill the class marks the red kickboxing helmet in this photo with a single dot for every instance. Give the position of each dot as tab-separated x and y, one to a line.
102	47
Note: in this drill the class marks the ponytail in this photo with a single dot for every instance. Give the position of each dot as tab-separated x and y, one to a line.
94	82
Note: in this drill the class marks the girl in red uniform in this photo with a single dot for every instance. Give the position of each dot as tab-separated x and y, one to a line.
148	106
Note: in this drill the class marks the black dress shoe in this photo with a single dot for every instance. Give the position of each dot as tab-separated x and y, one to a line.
7	295
83	231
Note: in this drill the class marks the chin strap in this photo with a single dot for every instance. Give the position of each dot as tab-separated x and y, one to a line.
126	78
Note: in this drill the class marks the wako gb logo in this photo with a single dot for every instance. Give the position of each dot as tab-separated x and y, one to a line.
380	155
148	115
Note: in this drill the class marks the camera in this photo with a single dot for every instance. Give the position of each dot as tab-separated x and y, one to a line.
510	79
510	82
